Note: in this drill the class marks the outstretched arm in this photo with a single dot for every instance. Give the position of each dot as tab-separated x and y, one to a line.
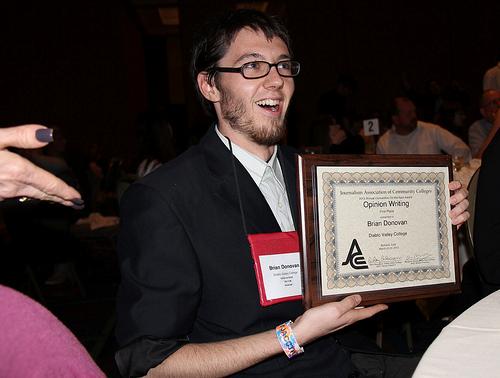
21	178
230	356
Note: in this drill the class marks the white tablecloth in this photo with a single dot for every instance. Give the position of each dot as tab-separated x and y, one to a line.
469	346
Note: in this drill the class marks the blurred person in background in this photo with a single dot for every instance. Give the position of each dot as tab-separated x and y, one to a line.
482	128
155	139
408	135
335	139
340	102
156	144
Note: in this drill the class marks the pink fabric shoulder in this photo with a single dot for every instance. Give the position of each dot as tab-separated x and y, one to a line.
34	343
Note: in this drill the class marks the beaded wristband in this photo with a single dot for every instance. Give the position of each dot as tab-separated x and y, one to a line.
287	340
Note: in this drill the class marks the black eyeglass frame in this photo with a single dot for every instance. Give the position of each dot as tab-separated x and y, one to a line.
240	69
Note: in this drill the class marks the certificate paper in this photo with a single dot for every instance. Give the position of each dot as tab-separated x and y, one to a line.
380	228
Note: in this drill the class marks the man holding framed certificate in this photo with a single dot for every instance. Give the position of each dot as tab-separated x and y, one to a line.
208	246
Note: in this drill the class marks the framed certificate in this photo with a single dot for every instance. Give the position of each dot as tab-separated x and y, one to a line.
378	226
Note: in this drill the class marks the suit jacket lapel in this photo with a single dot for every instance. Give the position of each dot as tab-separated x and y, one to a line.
288	166
258	215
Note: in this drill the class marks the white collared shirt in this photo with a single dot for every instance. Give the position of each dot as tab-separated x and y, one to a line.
427	138
269	178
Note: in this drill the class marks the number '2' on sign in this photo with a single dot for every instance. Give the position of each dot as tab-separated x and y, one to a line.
371	126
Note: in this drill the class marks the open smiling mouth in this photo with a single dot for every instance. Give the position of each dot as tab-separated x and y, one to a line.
268	104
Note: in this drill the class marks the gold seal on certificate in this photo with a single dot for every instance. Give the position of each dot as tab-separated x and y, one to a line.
377	226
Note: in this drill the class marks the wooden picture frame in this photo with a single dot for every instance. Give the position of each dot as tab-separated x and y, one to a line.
378	226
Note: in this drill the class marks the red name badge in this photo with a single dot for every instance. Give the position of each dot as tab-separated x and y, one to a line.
276	259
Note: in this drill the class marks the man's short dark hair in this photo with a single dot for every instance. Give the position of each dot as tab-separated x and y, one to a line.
213	40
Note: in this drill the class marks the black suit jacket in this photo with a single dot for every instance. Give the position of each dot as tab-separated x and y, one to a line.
187	271
487	218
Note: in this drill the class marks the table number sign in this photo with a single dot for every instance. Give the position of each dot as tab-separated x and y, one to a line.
371	127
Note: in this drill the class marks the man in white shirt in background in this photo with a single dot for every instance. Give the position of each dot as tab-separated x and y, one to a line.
479	130
408	135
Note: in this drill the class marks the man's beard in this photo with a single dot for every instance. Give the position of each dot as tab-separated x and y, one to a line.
233	111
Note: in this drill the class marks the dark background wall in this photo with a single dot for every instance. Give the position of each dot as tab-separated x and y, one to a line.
91	66
78	65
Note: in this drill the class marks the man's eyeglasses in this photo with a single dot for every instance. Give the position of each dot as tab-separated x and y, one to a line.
258	69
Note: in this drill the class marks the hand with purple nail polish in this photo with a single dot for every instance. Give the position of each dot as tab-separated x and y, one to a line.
21	178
